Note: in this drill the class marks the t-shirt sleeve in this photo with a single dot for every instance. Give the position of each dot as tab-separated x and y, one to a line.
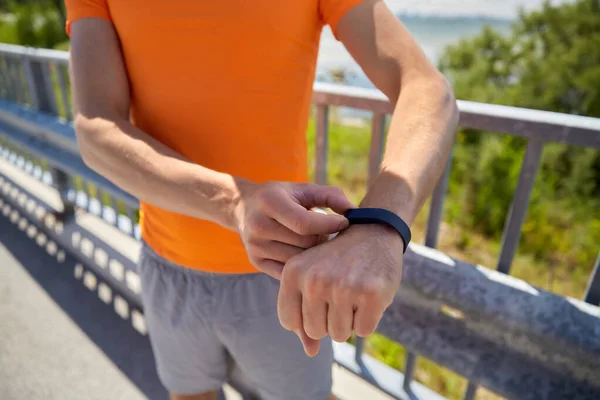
78	9
332	11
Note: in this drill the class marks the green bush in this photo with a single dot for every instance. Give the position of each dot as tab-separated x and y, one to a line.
36	24
550	61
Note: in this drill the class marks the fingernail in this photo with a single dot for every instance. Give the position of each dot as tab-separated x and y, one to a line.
344	224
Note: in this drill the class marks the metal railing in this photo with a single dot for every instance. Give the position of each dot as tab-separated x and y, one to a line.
502	333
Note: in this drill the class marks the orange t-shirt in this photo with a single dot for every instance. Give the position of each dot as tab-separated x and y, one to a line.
227	84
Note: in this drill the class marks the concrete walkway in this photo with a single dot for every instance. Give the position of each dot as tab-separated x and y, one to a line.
57	340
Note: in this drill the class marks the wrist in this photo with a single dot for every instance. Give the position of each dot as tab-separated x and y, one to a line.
381	217
393	193
242	189
379	234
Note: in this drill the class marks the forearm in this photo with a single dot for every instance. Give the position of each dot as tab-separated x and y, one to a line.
154	173
419	141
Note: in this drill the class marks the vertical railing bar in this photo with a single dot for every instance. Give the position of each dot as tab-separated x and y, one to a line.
471	391
23	80
102	194
131	216
409	369
520	204
10	72
436	208
377	144
96	196
62	182
31	86
19	78
2	76
9	82
88	195
37	165
115	207
592	292
19	82
51	96
359	347
6	77
322	144
60	73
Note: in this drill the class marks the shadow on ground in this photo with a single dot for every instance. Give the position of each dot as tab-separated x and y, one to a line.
123	345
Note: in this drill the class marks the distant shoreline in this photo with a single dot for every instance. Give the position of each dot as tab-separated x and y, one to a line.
439	17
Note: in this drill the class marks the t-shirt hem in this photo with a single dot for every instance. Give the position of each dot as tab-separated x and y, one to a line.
230	268
105	17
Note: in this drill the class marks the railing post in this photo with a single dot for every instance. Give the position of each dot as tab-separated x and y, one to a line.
409	370
21	98
520	204
62	182
31	84
359	347
322	145
436	209
40	85
13	90
377	144
62	82
471	391
592	292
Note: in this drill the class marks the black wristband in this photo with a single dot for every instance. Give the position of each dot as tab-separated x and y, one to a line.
361	216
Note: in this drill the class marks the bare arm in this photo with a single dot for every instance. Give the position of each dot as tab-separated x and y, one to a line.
346	284
272	219
116	149
425	116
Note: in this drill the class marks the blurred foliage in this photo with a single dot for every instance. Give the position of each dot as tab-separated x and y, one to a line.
550	61
37	23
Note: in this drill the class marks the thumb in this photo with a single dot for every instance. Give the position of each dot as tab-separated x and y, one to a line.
314	196
311	346
293	211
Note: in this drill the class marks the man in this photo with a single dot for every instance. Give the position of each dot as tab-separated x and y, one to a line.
199	108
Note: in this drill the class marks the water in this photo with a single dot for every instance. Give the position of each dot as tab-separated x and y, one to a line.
434	23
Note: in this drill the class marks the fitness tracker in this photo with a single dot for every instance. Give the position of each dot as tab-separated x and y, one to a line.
363	216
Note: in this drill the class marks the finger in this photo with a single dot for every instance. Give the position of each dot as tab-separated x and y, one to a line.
271	267
366	319
298	219
273	230
314	317
277	251
311	195
289	304
311	346
339	321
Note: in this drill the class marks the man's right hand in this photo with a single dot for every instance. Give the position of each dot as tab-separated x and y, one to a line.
275	220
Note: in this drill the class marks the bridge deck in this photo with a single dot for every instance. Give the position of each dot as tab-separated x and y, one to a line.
58	340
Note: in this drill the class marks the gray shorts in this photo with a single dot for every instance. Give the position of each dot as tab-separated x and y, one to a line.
198	320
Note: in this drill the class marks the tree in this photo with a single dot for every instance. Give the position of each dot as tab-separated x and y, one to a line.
38	23
549	61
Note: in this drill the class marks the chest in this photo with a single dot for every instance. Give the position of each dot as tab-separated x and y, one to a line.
244	19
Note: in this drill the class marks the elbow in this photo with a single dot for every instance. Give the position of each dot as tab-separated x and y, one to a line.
87	135
443	93
83	131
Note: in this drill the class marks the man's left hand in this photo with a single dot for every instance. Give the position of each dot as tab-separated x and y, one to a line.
341	286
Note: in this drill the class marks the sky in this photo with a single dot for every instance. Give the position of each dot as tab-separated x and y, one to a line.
490	8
